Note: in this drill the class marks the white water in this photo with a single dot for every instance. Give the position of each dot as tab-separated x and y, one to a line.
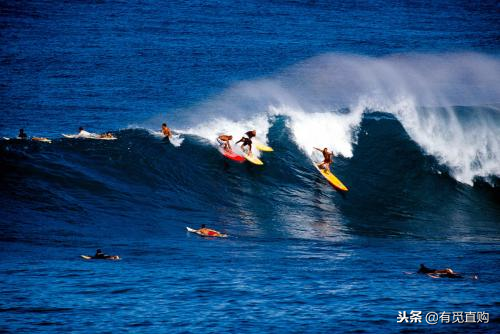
419	90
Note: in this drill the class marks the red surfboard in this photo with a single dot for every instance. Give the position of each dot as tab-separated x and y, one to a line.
231	155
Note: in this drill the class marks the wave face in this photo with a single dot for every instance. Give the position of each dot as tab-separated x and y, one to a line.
142	175
447	103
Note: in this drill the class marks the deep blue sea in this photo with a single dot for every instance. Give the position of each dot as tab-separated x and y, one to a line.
405	94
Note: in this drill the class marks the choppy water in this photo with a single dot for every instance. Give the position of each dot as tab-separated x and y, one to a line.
407	96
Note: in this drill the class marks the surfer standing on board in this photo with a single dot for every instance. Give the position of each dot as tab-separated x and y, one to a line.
166	131
327	158
247	141
223	141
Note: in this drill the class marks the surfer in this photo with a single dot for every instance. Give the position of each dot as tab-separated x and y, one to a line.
107	135
166	131
208	232
22	134
223	141
438	273
83	133
246	142
100	255
327	159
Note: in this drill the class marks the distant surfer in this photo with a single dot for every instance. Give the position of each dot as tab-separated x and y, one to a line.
107	135
166	131
22	134
83	133
224	141
208	232
438	273
100	255
327	159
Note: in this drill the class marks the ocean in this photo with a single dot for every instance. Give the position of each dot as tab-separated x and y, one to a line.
405	94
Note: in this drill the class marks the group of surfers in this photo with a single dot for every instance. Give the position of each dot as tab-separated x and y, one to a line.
207	232
224	141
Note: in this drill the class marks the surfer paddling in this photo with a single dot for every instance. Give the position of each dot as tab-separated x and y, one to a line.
438	273
207	232
327	159
83	133
166	131
99	255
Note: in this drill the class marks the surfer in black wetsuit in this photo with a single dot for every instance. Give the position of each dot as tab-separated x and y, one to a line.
22	134
246	142
100	255
438	273
327	159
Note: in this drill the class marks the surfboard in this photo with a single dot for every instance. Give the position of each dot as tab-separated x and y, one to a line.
42	140
95	137
192	230
252	158
261	147
231	155
332	179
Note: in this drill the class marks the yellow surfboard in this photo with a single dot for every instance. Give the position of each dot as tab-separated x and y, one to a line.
332	179
253	159
262	147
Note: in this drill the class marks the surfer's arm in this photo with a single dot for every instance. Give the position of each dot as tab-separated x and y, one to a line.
318	149
239	141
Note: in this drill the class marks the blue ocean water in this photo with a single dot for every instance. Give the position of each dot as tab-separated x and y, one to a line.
406	94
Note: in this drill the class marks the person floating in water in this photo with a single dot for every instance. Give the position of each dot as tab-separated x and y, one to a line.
22	134
203	230
327	159
223	141
438	273
166	131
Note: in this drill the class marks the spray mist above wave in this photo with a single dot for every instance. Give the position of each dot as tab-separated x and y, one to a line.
325	98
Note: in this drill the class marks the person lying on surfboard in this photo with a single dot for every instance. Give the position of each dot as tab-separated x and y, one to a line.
208	232
83	133
22	134
166	131
327	159
100	255
438	273
106	135
223	141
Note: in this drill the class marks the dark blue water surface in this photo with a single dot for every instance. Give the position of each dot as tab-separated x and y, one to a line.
300	256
